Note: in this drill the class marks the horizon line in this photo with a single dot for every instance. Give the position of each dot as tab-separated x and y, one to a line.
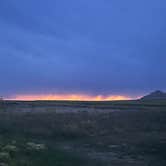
69	97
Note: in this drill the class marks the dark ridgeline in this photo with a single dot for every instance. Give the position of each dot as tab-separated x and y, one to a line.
156	95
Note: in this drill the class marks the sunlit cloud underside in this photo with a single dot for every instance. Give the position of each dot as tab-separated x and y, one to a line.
75	97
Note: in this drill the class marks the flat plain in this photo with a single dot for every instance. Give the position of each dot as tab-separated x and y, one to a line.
62	133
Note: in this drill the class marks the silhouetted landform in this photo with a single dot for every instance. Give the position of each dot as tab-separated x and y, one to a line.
156	95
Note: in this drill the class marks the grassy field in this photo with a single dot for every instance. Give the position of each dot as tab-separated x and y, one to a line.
16	151
135	134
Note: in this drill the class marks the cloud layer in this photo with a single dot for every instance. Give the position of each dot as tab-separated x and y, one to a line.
92	47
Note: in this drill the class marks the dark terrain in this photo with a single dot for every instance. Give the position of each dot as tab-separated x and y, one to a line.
121	133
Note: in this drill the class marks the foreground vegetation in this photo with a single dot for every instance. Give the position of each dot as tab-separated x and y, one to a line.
18	152
119	138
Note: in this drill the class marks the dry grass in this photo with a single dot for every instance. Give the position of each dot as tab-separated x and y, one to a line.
119	138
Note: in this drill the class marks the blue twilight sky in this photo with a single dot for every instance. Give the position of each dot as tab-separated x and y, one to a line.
94	47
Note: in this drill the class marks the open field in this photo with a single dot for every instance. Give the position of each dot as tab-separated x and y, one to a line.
68	106
123	133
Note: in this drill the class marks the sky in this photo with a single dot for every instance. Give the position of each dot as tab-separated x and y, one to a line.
82	49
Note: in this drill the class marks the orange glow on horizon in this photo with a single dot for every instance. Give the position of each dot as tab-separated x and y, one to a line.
70	97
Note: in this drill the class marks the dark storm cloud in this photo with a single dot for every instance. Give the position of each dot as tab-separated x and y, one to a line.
96	46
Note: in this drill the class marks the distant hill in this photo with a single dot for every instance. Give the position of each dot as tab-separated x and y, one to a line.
156	95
